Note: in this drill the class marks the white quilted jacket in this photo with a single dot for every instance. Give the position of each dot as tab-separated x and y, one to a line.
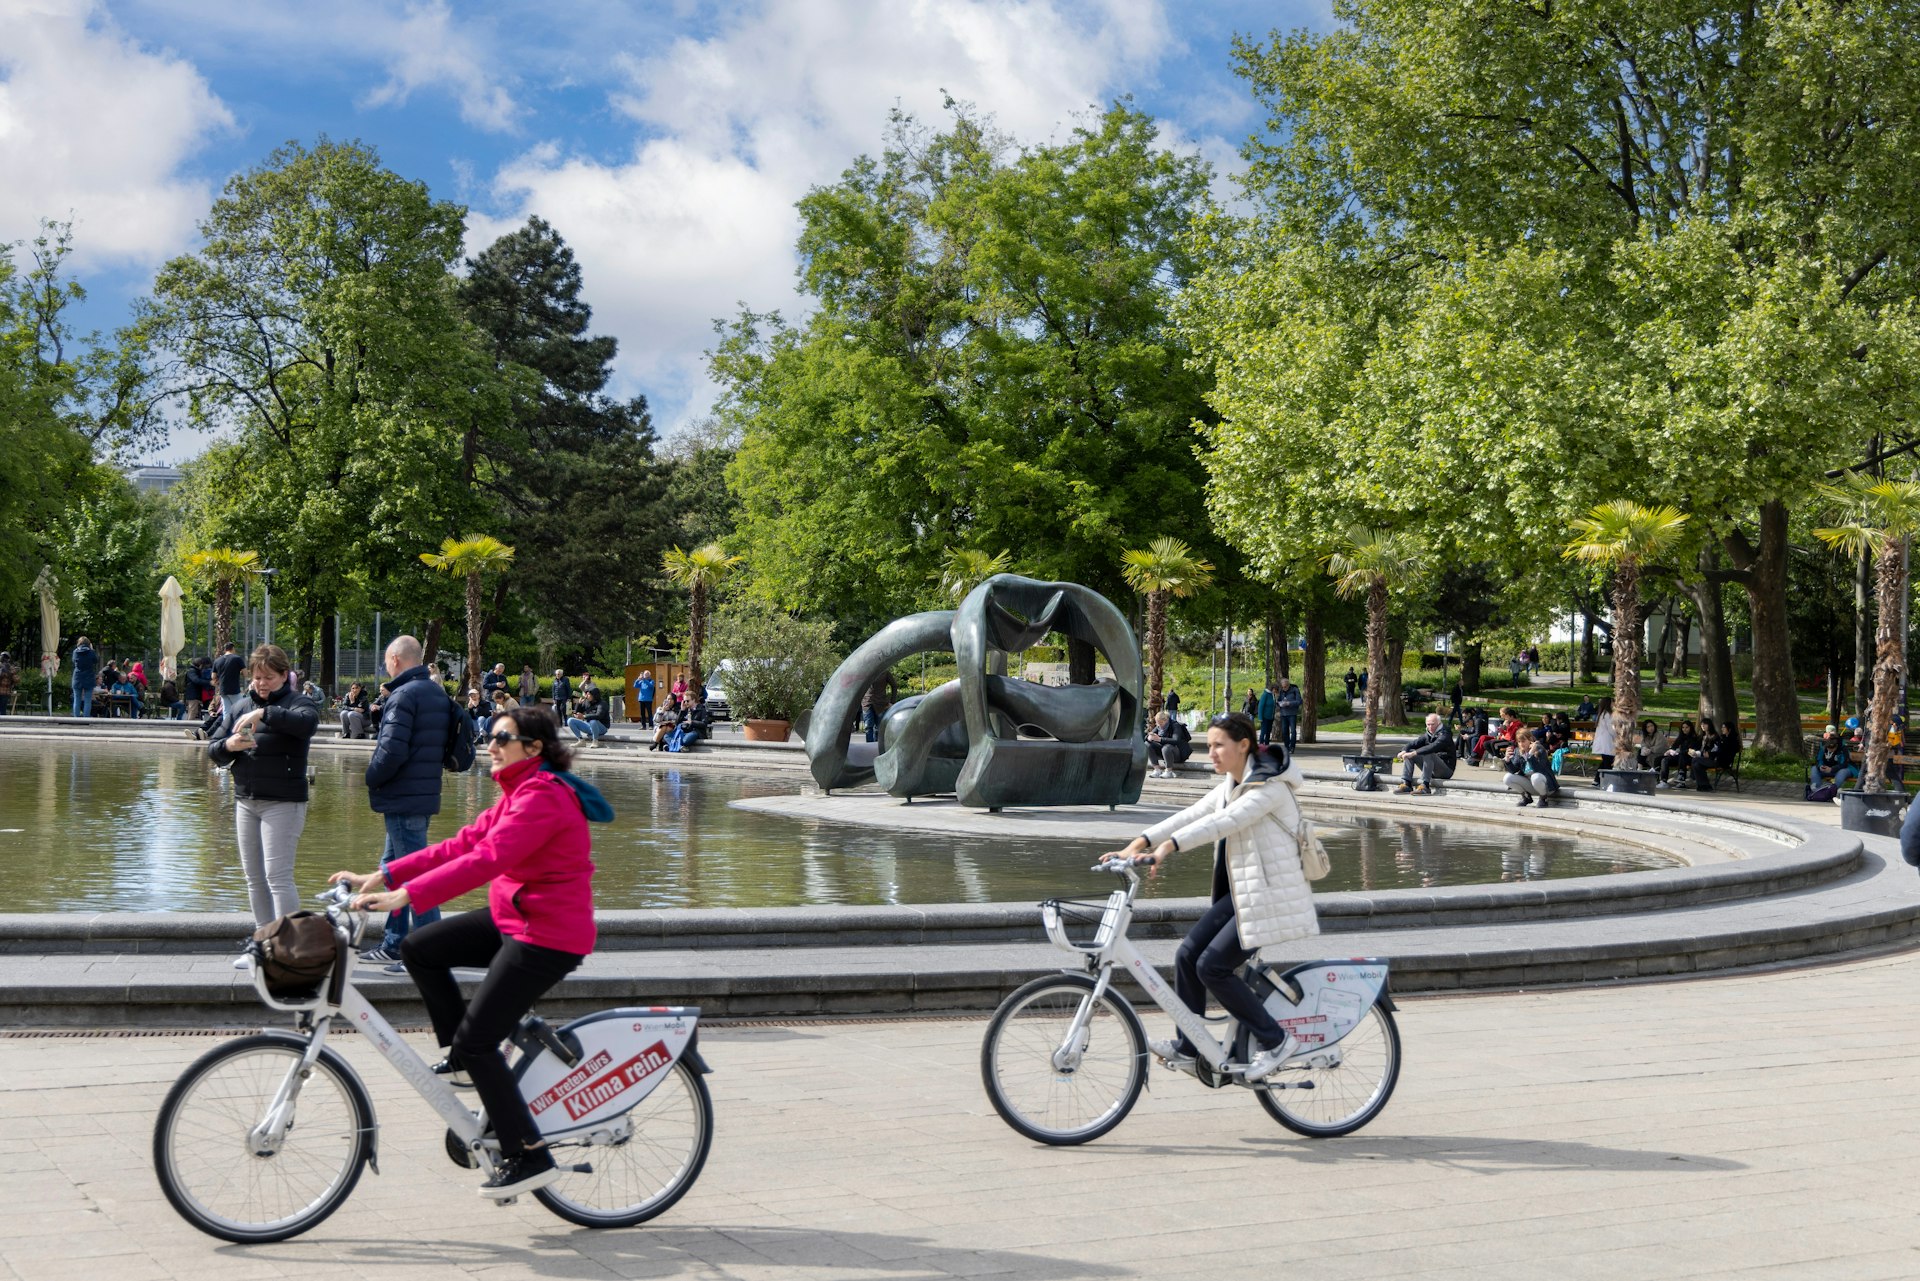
1271	898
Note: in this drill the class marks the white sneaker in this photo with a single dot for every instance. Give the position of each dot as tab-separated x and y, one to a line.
1266	1061
1169	1050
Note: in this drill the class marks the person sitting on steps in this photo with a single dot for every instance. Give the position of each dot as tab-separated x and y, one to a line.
1432	753
1167	745
1530	770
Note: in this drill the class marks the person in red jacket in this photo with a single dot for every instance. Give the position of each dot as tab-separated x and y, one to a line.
532	850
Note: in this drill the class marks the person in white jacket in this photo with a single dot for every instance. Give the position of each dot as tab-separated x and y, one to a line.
1260	892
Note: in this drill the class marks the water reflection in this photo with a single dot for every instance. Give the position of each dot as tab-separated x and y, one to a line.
132	827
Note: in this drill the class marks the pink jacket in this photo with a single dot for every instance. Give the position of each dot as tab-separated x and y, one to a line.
533	845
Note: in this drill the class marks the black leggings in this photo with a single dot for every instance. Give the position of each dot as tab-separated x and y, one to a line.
1205	962
518	974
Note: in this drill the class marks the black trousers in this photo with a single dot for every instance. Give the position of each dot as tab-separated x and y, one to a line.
1164	754
1205	963
518	974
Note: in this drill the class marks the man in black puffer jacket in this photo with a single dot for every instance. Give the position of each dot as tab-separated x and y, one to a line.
403	778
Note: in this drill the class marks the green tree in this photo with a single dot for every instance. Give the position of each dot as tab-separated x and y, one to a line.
1625	538
1370	564
471	559
1886	516
221	568
318	329
701	571
988	363
1637	237
109	565
967	567
1163	569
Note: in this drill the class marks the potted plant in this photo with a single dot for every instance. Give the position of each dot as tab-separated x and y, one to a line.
774	666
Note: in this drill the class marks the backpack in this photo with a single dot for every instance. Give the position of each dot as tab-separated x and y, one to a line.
457	756
1367	782
1823	793
296	952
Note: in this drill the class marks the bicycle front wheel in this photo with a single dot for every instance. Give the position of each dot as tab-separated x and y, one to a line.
1053	1085
231	1186
1358	1076
643	1161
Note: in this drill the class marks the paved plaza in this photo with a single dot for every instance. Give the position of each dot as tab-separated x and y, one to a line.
1760	1125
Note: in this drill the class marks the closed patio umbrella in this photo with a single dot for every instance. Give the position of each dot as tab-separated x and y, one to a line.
49	629
173	628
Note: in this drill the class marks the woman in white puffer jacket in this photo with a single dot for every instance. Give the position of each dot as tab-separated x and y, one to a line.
1260	892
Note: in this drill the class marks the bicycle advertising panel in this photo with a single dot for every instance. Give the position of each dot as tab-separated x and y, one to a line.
624	1054
1334	997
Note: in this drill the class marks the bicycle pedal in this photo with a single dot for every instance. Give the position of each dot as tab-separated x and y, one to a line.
585	1167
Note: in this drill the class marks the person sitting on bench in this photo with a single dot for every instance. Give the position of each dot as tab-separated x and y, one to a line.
1832	762
1432	753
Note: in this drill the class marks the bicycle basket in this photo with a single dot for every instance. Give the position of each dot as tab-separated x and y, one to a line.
1076	922
297	952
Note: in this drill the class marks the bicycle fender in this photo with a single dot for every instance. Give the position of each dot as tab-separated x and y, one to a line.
625	1053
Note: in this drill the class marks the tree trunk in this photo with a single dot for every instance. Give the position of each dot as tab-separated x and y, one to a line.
1472	657
1394	704
473	632
1626	658
1376	664
222	616
1682	643
696	633
430	643
1890	660
492	616
1313	676
1666	638
1587	655
1776	704
329	653
1081	657
1281	639
1719	700
1863	633
1156	650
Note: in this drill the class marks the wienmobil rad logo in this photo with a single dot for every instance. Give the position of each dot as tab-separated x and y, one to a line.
610	1085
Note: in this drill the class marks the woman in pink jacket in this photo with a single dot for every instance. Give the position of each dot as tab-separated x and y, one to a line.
533	852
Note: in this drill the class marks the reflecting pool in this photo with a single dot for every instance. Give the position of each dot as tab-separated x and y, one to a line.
138	827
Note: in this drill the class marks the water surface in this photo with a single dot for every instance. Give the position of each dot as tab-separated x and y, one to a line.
149	827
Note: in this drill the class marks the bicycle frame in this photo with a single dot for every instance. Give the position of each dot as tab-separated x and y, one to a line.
1349	986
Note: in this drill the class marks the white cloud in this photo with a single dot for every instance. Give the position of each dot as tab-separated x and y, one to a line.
94	126
424	50
734	128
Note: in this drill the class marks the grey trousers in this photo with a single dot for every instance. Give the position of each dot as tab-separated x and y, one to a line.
1524	783
269	833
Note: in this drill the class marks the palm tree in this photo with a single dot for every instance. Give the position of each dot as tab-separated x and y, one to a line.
1164	568
223	567
966	568
1886	517
1370	563
1623	536
469	558
699	571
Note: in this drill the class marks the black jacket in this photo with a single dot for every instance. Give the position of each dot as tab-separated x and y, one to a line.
228	672
593	706
1438	743
276	768
415	717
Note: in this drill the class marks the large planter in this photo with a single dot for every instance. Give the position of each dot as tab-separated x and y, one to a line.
1638	781
1879	813
766	731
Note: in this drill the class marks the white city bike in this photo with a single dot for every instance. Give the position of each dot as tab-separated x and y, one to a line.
264	1136
1065	1057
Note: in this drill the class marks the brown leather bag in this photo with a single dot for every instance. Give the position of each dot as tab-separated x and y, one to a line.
297	952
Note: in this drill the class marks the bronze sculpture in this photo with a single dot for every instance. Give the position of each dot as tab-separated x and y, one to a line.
990	740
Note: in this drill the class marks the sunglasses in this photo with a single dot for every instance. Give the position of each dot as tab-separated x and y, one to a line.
504	736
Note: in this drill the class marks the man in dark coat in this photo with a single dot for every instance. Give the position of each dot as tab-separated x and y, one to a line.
403	778
228	671
1432	754
86	669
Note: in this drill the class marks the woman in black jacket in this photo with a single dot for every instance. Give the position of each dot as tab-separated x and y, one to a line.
262	739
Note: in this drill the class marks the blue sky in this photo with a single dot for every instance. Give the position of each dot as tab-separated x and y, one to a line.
666	141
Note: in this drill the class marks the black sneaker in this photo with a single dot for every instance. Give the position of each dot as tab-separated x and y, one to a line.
379	956
456	1076
523	1173
1525	800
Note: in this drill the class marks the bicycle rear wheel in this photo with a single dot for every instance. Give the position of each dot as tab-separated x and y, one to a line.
644	1160
1326	1102
1050	1091
209	1169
